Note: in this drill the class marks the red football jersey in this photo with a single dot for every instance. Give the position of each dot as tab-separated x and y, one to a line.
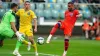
95	25
70	17
86	26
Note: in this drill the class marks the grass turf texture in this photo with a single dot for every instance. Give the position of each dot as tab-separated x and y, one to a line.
55	48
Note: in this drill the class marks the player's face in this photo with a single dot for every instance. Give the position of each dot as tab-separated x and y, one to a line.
85	21
27	5
16	8
70	7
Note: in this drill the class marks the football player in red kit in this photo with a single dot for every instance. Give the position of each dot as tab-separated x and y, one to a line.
94	28
66	25
86	27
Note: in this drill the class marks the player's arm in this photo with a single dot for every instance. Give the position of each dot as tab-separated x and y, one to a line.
19	35
13	26
14	29
35	24
35	21
12	23
78	14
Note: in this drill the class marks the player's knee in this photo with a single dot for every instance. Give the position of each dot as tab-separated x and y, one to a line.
30	38
67	37
58	25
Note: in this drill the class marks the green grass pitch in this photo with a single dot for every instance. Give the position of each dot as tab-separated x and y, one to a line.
77	47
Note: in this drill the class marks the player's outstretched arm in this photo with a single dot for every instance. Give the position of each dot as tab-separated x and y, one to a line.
13	26
35	25
79	15
16	32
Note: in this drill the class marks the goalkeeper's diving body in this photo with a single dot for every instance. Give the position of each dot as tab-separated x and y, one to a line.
8	29
26	16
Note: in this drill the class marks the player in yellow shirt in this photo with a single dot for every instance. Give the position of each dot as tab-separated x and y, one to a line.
26	16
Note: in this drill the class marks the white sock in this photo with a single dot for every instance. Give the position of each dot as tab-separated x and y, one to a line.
29	43
48	39
65	52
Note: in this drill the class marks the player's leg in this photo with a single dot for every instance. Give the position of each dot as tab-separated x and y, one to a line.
1	43
67	32
66	45
1	37
5	32
52	32
86	34
16	51
22	30
90	37
33	44
24	41
1	40
29	33
9	34
18	44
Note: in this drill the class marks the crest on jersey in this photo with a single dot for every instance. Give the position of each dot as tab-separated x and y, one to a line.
31	29
28	13
71	14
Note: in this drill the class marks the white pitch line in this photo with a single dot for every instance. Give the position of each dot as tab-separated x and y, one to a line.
29	53
39	53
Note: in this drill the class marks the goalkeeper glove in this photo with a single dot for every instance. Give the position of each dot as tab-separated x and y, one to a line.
19	36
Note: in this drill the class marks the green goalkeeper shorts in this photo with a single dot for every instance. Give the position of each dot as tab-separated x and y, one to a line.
6	32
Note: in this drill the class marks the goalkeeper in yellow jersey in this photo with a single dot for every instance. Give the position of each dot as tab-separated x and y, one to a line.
26	16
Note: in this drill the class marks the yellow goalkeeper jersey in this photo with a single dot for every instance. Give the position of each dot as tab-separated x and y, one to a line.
26	17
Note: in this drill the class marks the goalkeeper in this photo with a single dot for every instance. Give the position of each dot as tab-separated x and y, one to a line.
8	29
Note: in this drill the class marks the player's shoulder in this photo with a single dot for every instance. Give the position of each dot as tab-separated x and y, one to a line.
76	10
66	11
21	10
31	11
9	12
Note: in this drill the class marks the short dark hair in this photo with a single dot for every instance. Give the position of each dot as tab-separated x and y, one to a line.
13	5
27	1
70	3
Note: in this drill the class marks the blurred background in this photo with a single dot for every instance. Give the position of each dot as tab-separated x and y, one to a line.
50	11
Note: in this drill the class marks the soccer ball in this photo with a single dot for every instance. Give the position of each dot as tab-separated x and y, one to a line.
40	40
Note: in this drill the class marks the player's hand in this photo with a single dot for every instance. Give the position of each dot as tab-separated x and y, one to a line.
19	36
79	15
20	39
35	30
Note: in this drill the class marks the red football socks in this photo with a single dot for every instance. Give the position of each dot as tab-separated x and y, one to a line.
66	44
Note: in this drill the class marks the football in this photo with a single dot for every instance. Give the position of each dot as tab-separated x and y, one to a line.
40	40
